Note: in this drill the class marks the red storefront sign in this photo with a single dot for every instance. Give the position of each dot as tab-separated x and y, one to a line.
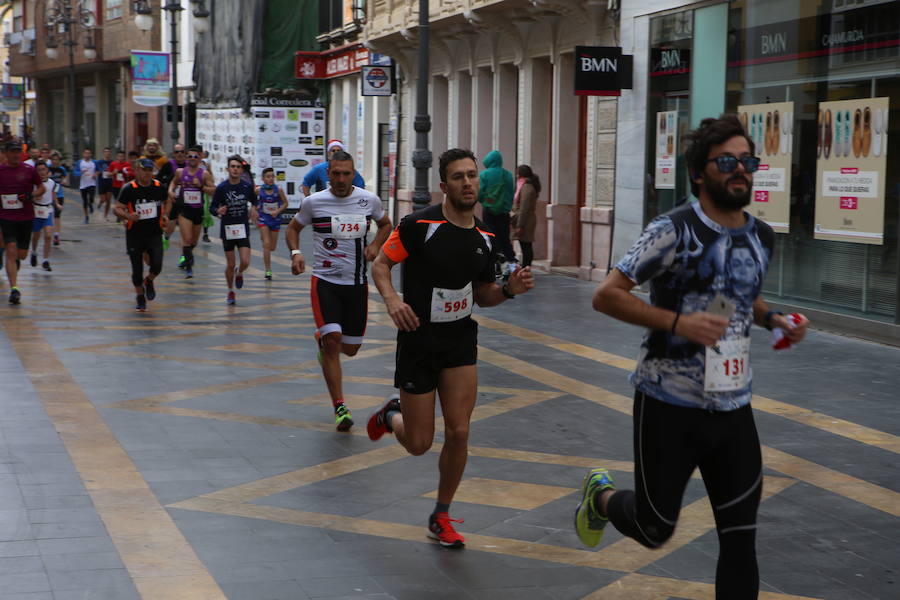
326	65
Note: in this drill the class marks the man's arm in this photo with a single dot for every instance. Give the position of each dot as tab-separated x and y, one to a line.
292	239
613	297
173	184
384	230
209	186
401	313
795	332
491	294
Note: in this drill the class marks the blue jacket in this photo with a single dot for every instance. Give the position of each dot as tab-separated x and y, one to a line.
317	178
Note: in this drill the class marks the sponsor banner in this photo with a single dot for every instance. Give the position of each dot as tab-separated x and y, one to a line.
325	65
850	171
666	149
771	127
601	71
277	133
150	77
11	96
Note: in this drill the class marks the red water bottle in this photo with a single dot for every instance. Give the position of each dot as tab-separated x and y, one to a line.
780	341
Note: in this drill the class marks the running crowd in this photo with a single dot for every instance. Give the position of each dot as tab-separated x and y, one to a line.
704	263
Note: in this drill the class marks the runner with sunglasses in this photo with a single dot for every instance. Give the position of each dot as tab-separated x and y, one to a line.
186	190
705	262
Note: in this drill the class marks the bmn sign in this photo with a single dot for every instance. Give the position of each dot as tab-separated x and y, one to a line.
601	71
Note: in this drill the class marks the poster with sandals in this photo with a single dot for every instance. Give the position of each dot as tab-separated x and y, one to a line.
850	171
771	127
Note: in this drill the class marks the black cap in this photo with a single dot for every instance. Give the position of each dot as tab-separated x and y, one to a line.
146	163
12	145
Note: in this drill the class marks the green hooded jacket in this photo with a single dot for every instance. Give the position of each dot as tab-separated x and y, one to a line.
496	185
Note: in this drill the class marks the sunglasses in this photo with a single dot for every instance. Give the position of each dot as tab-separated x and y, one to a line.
193	156
728	164
177	151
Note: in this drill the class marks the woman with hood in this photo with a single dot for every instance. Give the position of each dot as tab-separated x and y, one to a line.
495	195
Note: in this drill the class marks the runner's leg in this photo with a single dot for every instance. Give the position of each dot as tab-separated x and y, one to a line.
264	237
245	259
457	388
229	269
414	428
12	270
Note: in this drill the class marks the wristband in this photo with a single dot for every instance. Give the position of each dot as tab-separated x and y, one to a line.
506	292
675	322
295	253
767	320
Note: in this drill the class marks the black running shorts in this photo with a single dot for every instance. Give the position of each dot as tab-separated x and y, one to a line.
194	214
340	308
424	353
16	231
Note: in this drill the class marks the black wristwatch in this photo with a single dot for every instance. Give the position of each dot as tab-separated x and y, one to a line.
506	292
767	320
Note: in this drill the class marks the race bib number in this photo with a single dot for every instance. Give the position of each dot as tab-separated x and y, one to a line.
235	232
727	365
11	201
146	210
120	177
41	211
348	227
193	197
270	208
451	305
105	174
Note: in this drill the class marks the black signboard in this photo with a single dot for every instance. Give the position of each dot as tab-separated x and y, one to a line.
602	71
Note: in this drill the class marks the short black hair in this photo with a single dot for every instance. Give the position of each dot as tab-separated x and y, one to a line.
195	149
341	156
39	163
236	157
451	155
711	132
267	170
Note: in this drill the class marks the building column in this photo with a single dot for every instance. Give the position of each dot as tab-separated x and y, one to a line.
459	110
438	100
535	83
101	121
482	112
562	212
504	114
597	215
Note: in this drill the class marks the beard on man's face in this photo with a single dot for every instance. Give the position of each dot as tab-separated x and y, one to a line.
724	197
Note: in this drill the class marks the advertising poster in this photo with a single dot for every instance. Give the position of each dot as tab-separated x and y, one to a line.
150	77
771	127
12	96
666	149
850	170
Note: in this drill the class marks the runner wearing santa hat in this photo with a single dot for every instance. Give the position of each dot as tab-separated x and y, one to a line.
316	179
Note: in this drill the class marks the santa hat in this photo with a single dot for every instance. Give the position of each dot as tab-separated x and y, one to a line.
333	143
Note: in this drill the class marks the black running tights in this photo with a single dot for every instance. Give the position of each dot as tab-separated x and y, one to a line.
136	251
87	196
669	441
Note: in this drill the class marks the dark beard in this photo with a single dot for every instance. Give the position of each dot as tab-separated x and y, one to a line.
461	204
725	199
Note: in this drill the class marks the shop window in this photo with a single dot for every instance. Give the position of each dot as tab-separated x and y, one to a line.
808	54
114	9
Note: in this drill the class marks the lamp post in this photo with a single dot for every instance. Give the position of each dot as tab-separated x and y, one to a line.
422	157
66	21
144	22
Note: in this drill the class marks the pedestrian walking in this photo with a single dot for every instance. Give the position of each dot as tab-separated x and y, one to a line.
449	261
705	262
495	194
523	220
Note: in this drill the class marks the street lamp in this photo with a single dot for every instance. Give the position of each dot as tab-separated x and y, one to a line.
422	157
66	21
144	22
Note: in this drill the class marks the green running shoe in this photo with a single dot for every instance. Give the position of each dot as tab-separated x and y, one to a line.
343	420
165	243
182	262
588	522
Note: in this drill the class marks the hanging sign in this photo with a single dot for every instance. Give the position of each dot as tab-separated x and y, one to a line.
771	127
150	77
11	96
377	80
601	71
850	170
666	149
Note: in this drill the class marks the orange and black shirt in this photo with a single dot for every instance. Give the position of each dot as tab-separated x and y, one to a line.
437	254
138	198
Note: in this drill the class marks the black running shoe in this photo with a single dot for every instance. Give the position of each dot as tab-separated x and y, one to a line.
33	259
149	290
378	425
206	238
46	265
141	303
15	296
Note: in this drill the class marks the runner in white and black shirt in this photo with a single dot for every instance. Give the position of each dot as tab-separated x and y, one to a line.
340	216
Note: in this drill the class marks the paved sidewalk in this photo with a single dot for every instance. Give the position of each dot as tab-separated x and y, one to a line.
190	451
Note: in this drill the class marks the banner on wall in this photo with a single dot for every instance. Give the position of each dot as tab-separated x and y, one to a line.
12	96
666	149
286	135
150	77
850	170
771	127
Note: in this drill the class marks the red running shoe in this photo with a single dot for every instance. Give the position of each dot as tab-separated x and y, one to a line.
440	529
378	425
